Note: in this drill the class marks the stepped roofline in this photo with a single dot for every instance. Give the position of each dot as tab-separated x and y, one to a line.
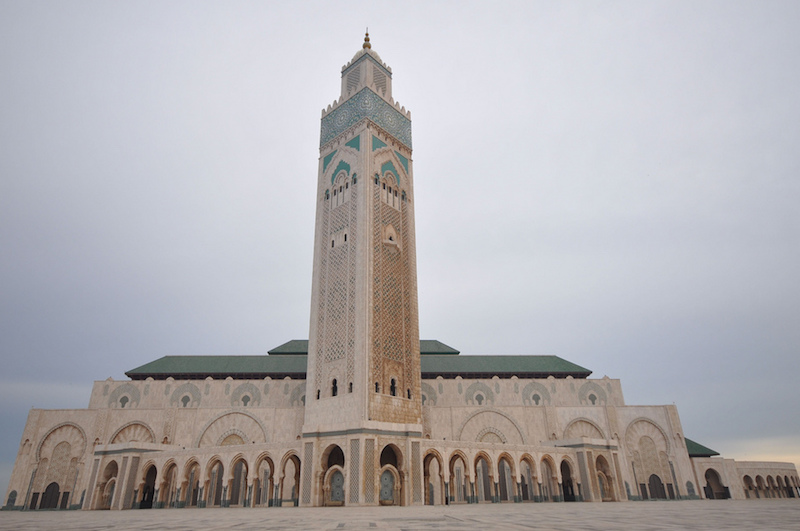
290	360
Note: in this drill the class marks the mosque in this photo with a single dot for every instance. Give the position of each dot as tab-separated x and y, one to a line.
364	412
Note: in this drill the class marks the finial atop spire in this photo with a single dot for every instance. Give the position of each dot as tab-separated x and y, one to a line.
366	40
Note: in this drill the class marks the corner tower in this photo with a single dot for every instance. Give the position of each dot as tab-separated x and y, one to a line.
363	357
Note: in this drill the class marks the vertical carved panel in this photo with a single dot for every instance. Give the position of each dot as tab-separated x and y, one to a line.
355	466
307	465
416	472
323	292
369	471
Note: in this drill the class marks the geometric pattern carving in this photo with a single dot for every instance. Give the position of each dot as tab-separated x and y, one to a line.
394	319
591	388
187	389
645	428
365	104
297	398
476	389
246	389
583	428
242	424
531	390
337	290
429	393
355	465
129	390
133	432
506	428
369	467
63	432
307	461
416	472
491	435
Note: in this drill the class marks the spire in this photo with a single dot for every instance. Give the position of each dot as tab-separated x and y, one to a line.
366	40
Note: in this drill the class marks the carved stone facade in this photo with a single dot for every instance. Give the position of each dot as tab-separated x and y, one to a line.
361	414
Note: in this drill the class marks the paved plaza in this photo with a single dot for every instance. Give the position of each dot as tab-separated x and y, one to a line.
710	515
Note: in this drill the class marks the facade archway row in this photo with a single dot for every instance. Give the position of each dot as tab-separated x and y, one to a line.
194	479
530	474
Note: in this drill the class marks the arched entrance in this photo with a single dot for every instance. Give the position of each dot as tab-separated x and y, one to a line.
434	482
459	477
566	482
527	480
390	483
192	483
263	483
771	487
50	497
290	481
656	487
483	481
168	492
548	482
333	476
604	479
749	487
714	489
505	480
214	485
760	489
105	490
238	485
148	488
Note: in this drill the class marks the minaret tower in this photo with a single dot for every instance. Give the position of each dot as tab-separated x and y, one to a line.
363	356
363	413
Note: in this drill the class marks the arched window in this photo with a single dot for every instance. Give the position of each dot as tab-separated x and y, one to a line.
185	400
377	387
334	388
123	401
408	392
317	394
350	388
245	400
393	388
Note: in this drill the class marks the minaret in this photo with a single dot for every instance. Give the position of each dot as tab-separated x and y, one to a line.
363	355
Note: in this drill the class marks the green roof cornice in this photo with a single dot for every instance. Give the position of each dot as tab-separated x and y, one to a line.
695	449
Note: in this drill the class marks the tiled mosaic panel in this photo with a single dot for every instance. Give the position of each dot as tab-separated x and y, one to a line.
366	104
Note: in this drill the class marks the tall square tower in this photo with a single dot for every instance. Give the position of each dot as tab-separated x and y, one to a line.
363	357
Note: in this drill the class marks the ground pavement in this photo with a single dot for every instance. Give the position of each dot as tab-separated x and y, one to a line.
641	516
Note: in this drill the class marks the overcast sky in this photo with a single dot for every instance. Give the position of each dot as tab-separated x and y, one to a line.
615	183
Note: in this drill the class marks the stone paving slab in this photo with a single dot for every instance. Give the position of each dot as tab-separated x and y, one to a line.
643	516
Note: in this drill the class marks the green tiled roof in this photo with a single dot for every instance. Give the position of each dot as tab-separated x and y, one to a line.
426	346
290	360
200	367
295	346
696	449
488	366
432	346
